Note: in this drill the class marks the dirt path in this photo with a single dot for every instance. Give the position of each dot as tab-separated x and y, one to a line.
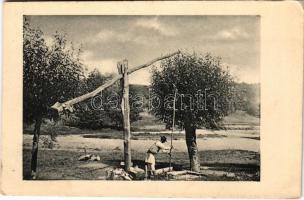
78	142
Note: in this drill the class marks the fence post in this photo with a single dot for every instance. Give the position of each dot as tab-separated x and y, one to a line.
125	108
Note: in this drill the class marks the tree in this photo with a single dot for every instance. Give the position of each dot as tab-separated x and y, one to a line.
203	97
50	74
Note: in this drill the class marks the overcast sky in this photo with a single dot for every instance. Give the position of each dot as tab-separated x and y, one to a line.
108	39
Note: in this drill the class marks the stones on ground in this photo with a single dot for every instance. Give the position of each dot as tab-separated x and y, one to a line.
122	164
137	172
89	157
134	173
84	157
95	158
118	174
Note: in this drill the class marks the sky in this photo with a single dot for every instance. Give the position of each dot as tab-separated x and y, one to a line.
105	40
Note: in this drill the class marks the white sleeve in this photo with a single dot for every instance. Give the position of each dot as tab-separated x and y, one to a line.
162	146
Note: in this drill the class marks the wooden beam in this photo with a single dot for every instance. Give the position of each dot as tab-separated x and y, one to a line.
163	170
152	61
177	173
68	104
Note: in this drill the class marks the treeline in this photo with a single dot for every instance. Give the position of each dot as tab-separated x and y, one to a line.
247	98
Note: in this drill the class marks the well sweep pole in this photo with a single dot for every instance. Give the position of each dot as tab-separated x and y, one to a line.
125	108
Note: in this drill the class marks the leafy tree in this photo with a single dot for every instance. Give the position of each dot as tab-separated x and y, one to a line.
203	97
50	74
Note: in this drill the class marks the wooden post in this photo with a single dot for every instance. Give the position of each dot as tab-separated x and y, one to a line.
125	108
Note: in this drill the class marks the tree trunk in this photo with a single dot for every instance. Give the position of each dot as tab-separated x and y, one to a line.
35	147
192	148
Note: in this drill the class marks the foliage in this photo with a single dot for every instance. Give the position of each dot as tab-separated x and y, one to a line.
140	93
247	98
50	73
204	90
103	110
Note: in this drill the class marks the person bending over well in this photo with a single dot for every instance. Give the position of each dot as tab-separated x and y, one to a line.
150	157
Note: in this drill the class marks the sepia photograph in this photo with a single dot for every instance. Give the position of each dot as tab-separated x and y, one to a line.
166	99
141	97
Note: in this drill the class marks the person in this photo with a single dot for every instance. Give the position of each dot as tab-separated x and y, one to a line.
150	157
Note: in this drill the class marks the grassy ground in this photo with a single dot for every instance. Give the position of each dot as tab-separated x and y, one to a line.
64	165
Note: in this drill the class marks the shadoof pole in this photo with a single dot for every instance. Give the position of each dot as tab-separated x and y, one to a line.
125	109
173	124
